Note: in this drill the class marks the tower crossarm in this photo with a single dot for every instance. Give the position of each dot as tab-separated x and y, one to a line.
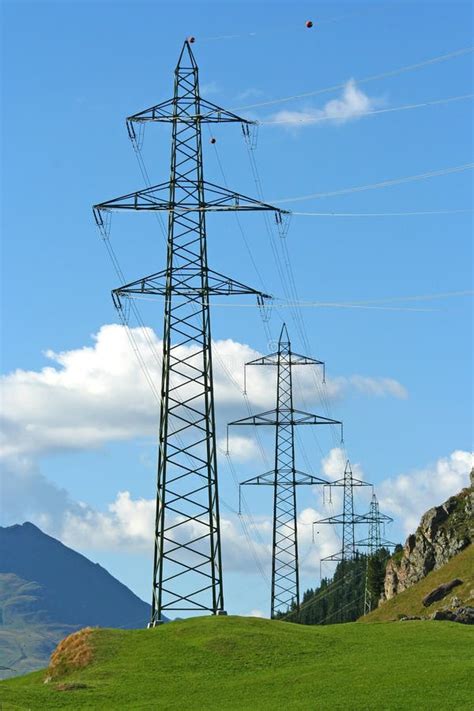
286	416
355	482
166	112
370	518
185	282
295	359
291	417
300	479
340	519
367	543
334	557
214	198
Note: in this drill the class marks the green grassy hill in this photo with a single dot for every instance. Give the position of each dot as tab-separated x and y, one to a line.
218	663
47	591
409	602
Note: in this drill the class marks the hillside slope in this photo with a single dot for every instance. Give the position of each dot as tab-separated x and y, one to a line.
444	531
48	590
409	602
253	664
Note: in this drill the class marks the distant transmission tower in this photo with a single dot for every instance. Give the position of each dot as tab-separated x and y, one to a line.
347	519
187	568
284	478
374	542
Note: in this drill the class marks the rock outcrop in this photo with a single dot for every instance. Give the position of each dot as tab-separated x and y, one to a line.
464	615
443	531
440	592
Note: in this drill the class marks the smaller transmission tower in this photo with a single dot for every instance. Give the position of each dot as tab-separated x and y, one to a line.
347	520
284	477
374	542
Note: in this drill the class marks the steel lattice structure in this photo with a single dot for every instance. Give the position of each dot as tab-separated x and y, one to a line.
347	519
284	478
374	542
187	568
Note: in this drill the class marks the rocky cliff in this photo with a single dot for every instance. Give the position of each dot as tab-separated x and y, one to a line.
443	531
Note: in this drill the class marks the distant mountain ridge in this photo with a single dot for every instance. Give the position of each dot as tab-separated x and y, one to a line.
48	590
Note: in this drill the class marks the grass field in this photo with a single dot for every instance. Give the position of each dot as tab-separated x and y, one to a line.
409	601
211	664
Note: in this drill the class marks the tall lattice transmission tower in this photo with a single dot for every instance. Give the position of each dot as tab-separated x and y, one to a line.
187	568
374	542
284	477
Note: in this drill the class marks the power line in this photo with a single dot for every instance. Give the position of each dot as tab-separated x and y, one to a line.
309	120
364	80
384	214
381	184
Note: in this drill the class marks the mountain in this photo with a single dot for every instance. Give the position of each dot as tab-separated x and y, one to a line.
250	664
48	590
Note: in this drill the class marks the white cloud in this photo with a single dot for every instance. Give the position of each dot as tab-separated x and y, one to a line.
408	496
334	463
326	540
127	523
26	494
378	386
352	104
96	394
242	449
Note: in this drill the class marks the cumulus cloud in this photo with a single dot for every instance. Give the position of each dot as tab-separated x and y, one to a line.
409	495
127	523
96	394
25	493
378	386
243	449
352	104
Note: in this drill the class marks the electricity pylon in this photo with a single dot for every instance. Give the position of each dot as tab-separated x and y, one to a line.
187	568
347	519
374	542
284	478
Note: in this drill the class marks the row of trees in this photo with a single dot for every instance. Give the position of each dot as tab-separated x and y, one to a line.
342	598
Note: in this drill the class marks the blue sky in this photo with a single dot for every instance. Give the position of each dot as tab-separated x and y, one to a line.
72	72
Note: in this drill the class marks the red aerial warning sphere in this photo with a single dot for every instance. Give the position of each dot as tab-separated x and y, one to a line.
191	39
309	24
213	140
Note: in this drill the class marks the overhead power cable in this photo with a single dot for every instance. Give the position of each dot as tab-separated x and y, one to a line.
381	184
286	30
363	80
383	214
308	120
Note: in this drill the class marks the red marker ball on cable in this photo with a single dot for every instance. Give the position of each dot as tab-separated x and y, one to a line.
213	140
309	24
